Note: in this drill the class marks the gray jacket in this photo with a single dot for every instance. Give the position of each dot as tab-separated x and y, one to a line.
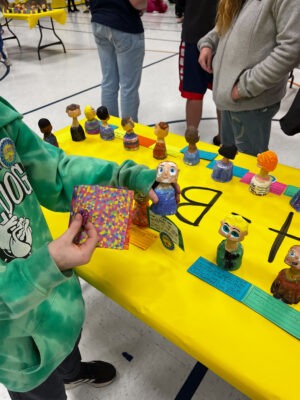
258	51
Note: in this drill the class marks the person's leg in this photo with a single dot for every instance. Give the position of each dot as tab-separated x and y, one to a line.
130	49
52	388
194	82
217	138
227	133
193	112
109	67
252	129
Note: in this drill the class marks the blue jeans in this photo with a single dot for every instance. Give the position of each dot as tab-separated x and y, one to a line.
121	56
248	130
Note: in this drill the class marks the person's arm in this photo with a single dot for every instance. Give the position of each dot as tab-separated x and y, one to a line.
207	47
284	56
53	174
138	4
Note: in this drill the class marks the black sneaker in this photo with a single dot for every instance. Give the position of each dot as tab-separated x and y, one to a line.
94	373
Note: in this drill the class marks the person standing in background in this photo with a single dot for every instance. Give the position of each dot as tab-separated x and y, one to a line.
251	52
199	19
119	35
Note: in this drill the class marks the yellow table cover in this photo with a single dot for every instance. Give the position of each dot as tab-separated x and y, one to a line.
59	16
250	352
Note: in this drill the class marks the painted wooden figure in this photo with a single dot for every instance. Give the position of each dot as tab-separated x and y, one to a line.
161	130
130	139
261	182
223	169
191	155
287	284
167	174
92	123
77	132
139	212
106	131
46	129
230	251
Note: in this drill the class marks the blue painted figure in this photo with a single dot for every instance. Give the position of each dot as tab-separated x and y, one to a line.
167	174
223	169
230	251
106	131
295	201
191	155
46	129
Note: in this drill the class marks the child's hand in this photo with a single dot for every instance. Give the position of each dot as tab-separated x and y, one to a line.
66	253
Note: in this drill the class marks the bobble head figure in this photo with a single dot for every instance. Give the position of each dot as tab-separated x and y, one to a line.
106	131
130	139
287	284
92	124
223	169
260	183
77	132
161	130
46	129
230	251
167	174
191	155
139	212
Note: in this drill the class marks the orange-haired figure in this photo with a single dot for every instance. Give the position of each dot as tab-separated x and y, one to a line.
260	183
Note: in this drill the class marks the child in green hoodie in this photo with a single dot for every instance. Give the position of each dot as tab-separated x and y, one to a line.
41	304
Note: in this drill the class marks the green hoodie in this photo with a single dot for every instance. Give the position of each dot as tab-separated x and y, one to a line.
41	308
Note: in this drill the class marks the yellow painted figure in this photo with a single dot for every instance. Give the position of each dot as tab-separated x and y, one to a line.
92	123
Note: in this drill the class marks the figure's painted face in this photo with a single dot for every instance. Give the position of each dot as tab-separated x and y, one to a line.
231	232
293	257
128	127
167	172
90	113
160	133
74	113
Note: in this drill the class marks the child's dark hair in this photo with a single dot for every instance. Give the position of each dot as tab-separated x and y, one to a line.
102	112
43	123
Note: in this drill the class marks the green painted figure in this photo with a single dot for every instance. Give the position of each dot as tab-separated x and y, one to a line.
230	251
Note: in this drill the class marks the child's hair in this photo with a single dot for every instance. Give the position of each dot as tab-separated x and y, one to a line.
43	122
267	160
227	11
89	112
237	221
72	107
127	120
102	112
228	151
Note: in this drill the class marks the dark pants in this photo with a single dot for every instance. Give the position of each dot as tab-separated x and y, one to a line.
53	387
